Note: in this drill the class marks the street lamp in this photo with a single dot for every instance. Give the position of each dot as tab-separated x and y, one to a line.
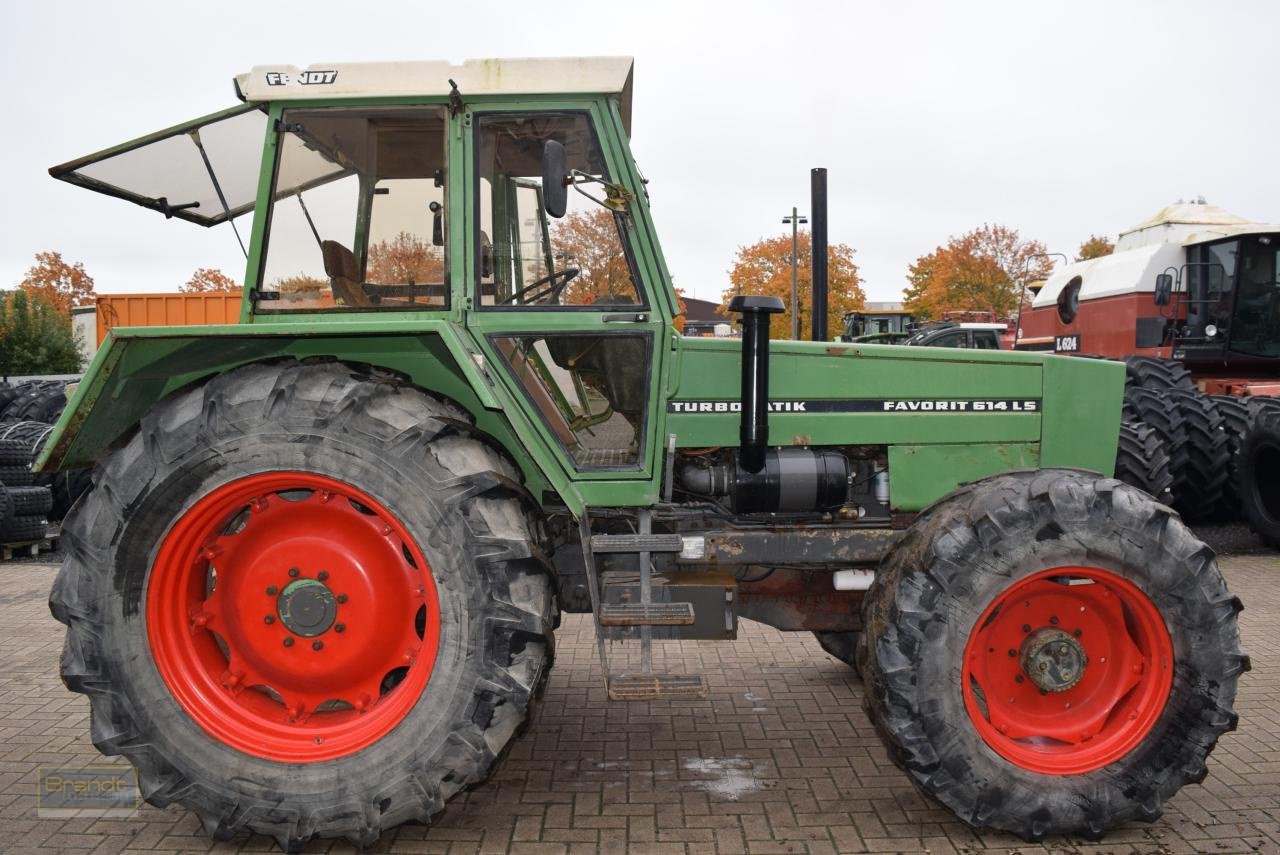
795	220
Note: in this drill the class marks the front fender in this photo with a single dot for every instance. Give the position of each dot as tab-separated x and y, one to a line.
136	367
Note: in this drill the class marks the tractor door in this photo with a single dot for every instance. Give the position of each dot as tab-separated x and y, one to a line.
561	304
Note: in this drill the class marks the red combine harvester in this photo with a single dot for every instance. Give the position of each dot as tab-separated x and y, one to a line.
1190	300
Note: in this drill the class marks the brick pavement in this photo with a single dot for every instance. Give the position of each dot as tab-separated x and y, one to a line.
780	759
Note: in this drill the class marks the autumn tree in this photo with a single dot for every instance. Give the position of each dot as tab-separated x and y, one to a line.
404	260
981	270
61	285
1095	247
764	268
35	336
207	280
589	241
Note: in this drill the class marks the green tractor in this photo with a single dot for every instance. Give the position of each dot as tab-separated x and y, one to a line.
314	589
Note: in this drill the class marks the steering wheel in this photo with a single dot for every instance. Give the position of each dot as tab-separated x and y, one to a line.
552	284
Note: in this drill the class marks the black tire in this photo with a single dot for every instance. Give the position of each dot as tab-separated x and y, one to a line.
1156	411
67	488
31	501
6	506
7	395
19	529
841	645
1208	455
1262	405
1142	462
456	496
1258	478
14	452
1236	420
17	476
957	559
1157	375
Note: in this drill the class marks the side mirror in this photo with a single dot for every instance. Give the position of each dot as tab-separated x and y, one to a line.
437	224
1164	289
555	178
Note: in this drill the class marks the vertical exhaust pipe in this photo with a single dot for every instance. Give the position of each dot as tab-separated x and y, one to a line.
754	433
818	236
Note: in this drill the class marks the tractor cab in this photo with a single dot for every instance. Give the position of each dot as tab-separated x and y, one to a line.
1228	292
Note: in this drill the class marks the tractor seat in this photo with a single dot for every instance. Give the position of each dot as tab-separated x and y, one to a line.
344	274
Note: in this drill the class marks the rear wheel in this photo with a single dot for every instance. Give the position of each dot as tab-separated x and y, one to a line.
1051	652
305	601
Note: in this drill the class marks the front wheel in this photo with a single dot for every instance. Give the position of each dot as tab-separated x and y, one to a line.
304	601
1051	652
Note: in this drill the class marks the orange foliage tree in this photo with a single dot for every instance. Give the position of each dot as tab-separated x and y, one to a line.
589	241
764	268
58	283
1095	247
404	260
981	270
208	279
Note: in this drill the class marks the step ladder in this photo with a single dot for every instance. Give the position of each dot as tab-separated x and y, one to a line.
642	685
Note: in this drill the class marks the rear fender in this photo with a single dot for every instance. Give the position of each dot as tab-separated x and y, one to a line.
137	367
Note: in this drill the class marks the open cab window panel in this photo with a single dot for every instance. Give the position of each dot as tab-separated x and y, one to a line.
528	261
204	171
357	212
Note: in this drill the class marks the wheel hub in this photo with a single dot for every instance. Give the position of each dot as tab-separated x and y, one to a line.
307	607
1052	659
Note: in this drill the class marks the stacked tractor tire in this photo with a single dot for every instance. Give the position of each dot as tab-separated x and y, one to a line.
1211	457
30	500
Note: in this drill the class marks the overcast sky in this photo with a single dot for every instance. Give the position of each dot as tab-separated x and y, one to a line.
1058	119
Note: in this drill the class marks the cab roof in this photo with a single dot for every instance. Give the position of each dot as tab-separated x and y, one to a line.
596	75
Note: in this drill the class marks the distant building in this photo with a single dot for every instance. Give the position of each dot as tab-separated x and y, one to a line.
886	316
701	317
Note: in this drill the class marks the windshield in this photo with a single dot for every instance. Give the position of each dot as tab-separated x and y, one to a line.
357	218
1257	321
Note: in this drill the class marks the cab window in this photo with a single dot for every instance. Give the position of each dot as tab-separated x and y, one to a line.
954	339
986	340
526	259
357	212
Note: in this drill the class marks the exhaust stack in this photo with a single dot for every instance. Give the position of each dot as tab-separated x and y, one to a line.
818	254
754	434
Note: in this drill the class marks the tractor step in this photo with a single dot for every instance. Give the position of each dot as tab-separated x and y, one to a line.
602	543
646	614
655	687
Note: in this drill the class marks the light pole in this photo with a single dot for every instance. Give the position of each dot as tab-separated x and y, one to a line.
795	220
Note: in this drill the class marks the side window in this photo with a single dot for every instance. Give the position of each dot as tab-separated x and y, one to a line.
986	340
589	389
357	214
528	260
954	339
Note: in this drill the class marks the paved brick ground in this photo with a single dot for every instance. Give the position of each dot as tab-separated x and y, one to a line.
780	759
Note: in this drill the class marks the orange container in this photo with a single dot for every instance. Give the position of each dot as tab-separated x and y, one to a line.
165	310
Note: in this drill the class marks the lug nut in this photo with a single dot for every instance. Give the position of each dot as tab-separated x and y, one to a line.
1012	652
293	572
1054	620
288	642
339	627
322	575
1026	627
1078	633
342	598
1018	678
317	645
272	590
269	619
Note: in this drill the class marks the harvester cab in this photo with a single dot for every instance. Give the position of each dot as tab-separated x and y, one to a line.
315	588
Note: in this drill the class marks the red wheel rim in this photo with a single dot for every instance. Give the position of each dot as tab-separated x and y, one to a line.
292	617
1068	623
